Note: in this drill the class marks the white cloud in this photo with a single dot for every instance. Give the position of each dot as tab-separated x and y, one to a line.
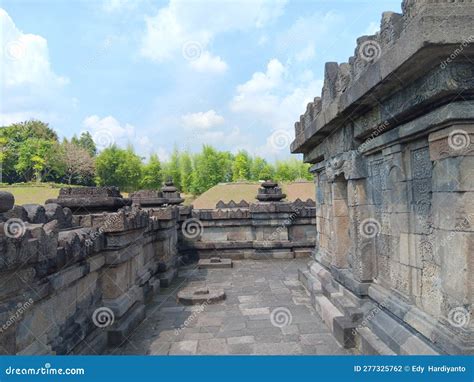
182	21
30	88
307	53
119	5
201	120
274	99
301	40
262	82
209	63
372	29
108	130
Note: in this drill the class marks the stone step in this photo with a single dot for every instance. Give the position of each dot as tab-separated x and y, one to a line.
352	297
312	285
118	333
166	278
397	336
370	344
347	306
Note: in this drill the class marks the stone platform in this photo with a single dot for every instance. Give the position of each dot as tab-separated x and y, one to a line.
266	311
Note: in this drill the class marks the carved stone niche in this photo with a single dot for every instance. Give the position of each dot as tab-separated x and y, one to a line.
349	163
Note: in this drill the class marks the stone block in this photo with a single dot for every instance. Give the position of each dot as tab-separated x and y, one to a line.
7	201
454	175
36	213
115	280
344	331
121	329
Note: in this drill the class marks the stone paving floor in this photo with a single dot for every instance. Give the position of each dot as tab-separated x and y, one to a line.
266	311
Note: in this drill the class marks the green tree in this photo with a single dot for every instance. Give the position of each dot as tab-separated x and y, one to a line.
257	170
86	142
241	166
283	172
226	161
20	152
37	158
267	172
208	170
119	167
152	178
172	168
186	176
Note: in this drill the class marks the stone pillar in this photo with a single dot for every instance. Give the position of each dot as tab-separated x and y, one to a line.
452	245
340	223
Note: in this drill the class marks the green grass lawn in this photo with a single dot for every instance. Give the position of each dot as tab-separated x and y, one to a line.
32	194
248	190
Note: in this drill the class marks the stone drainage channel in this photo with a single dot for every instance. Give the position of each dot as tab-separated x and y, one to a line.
254	307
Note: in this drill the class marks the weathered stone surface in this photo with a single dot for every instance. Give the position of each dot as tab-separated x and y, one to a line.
200	295
215	262
391	148
84	200
270	192
7	201
36	213
170	193
148	198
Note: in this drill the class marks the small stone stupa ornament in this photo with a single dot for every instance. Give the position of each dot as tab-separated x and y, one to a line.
170	193
270	192
148	198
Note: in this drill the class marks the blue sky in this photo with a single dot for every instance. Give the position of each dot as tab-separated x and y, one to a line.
159	74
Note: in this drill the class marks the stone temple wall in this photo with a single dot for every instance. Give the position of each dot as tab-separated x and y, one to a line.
391	141
76	273
266	230
76	279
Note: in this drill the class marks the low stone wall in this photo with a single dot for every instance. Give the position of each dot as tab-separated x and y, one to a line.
75	279
71	284
244	230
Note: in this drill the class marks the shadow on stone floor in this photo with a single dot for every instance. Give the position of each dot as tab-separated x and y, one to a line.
266	311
